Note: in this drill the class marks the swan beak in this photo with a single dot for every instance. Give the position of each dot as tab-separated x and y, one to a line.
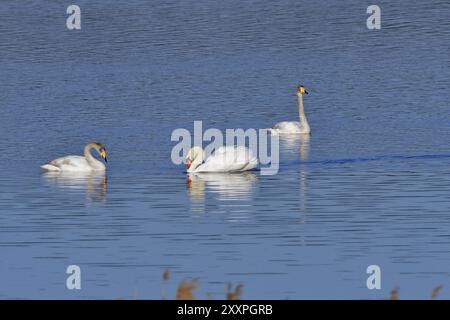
188	164
104	156
302	90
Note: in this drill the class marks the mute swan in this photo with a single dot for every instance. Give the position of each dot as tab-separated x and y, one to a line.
224	159
78	163
294	127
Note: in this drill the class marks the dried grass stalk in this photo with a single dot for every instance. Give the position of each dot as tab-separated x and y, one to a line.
435	292
394	294
234	294
186	289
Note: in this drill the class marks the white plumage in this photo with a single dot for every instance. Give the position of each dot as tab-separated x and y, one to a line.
79	163
294	127
224	159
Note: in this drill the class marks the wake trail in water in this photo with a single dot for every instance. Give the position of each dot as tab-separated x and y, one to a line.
369	159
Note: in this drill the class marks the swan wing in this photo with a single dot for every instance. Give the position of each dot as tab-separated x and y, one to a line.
245	156
252	163
287	127
69	163
230	159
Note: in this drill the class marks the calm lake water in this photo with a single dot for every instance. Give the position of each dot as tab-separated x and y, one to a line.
370	186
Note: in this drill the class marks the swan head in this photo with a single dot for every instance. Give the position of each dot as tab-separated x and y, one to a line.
195	157
101	150
301	90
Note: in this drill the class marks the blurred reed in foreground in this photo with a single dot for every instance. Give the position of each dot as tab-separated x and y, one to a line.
434	293
185	290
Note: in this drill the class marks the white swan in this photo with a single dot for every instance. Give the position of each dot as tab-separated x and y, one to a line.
294	127
78	163
224	159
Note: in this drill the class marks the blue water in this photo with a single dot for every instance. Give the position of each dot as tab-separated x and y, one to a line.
369	187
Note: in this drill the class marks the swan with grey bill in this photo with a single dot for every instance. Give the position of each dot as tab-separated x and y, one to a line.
294	127
224	159
86	163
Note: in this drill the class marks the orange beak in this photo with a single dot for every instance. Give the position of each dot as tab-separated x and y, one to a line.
188	164
189	183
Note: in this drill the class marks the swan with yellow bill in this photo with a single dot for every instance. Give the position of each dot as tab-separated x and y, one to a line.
86	163
294	127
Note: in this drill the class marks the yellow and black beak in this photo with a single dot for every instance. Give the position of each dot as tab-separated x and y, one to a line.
302	90
104	155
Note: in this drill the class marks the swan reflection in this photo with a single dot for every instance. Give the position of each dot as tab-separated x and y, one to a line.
94	183
226	186
296	147
294	142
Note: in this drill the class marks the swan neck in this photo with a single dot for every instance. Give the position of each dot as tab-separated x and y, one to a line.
195	164
301	110
197	155
88	155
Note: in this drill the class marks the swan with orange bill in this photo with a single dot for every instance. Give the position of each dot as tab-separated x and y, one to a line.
224	159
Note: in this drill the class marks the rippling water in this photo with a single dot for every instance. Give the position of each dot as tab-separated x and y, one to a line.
369	187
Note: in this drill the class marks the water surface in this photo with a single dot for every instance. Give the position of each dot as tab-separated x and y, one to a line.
370	186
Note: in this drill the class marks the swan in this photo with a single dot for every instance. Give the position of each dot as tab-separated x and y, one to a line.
294	127
224	159
78	163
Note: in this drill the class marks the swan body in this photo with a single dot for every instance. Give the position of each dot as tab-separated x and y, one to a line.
224	159
86	163
289	127
294	127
